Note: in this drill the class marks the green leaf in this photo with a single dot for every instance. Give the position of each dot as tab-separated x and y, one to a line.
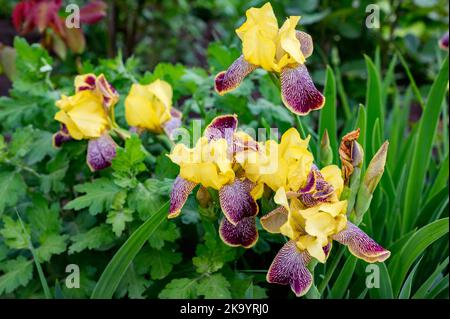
361	123
41	217
118	219
214	287
167	232
32	62
133	283
373	103
129	162
12	189
426	286
255	292
162	262
94	238
13	233
328	113
413	248
52	244
220	56
406	289
423	147
99	196
183	288
385	290
17	272
346	274
116	268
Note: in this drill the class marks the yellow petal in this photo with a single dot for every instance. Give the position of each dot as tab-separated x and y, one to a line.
313	245
333	175
288	43
281	199
74	132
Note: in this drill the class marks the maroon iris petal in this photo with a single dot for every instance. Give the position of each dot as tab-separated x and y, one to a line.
298	91
222	126
242	234
179	195
230	79
290	268
237	202
101	152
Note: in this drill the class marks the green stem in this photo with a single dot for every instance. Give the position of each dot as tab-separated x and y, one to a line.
330	271
300	126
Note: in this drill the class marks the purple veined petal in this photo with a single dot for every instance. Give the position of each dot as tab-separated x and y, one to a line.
310	183
222	126
289	267
175	122
237	202
61	137
242	234
298	91
327	249
443	42
274	220
100	152
230	79
306	43
361	245
179	195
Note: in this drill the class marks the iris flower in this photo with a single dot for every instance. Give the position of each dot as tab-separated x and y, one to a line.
211	164
150	107
89	114
312	218
282	51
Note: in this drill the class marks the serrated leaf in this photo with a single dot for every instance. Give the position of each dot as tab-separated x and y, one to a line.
17	272
161	262
41	217
118	219
99	196
14	234
214	287
12	189
183	288
94	238
52	244
147	197
167	232
129	162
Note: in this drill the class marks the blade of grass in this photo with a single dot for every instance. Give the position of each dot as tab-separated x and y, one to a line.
405	293
413	248
385	290
423	146
425	287
411	80
341	284
114	271
327	118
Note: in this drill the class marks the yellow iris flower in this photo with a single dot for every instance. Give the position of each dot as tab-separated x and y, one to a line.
285	165
267	46
208	163
312	227
83	114
149	106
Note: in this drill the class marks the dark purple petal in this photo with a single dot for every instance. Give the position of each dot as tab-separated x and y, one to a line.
298	91
222	126
100	152
443	42
306	43
361	245
242	234
230	79
59	138
274	220
179	195
327	249
289	267
237	202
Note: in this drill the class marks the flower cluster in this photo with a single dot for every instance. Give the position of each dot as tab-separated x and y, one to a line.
89	114
282	51
312	212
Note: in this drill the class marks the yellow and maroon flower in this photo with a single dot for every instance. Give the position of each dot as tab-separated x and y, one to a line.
312	219
279	50
89	114
211	164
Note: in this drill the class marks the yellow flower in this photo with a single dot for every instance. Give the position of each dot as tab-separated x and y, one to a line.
263	44
83	114
312	227
285	165
149	106
208	163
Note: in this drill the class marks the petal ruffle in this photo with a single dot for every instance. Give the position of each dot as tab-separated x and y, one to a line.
361	245
230	79
306	43
289	267
244	233
100	152
274	220
179	195
237	202
222	126
298	91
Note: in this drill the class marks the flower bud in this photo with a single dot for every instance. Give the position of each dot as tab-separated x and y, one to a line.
351	154
326	153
